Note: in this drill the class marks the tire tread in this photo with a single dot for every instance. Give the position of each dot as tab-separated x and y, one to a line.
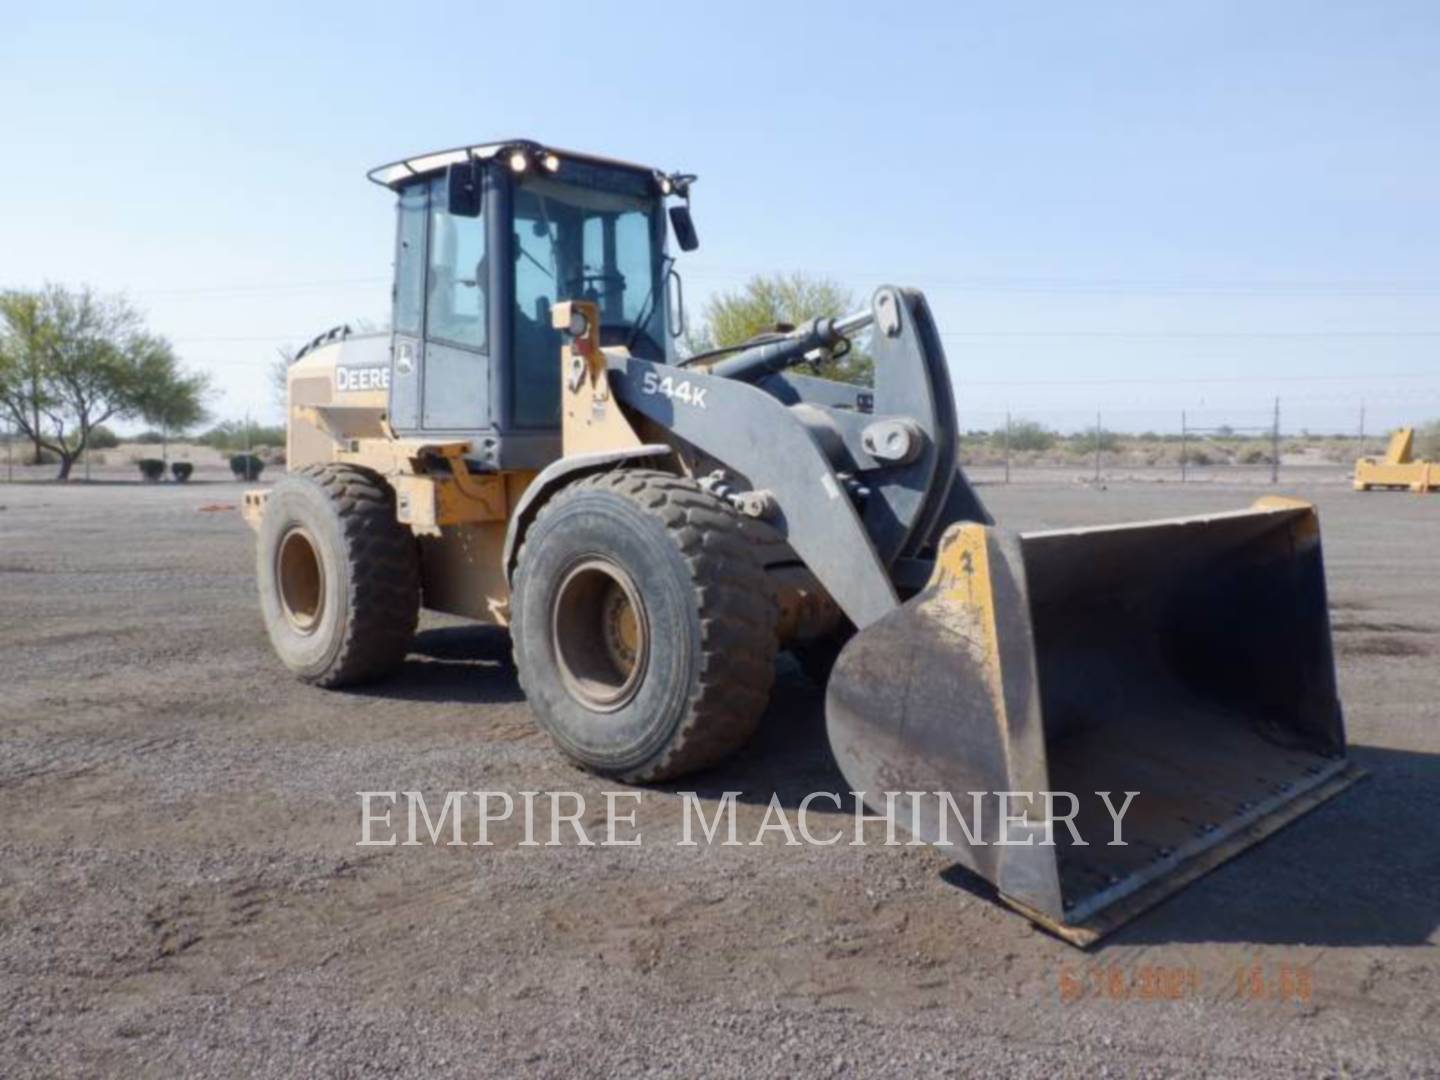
736	607
384	574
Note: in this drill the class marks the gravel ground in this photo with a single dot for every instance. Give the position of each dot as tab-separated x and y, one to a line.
181	890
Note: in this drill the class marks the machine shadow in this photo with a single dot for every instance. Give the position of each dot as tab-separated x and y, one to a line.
468	664
788	757
1361	870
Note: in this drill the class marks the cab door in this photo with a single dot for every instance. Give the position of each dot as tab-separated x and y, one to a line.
407	344
455	393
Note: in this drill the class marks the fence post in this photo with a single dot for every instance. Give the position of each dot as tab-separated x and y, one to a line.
1275	445
1097	446
1184	446
1007	446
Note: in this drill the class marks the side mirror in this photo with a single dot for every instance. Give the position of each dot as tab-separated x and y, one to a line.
462	188
684	227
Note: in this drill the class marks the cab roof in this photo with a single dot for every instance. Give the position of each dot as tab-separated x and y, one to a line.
398	173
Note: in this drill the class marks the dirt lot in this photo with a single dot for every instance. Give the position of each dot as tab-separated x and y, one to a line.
180	889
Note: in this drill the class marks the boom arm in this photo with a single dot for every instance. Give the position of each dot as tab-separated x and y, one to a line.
859	495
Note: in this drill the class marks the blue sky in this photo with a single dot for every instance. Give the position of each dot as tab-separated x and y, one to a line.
1138	207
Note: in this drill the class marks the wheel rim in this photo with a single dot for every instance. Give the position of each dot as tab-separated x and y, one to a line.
301	575
600	635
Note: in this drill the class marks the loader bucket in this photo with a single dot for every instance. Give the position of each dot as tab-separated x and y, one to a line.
1185	660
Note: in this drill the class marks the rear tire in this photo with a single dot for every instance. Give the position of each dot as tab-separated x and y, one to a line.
643	625
339	576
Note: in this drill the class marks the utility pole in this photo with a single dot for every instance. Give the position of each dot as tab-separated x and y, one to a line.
1275	445
1184	446
1007	446
1362	421
1097	446
9	452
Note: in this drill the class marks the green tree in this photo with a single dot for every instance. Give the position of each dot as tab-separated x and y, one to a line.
170	398
70	360
24	342
766	303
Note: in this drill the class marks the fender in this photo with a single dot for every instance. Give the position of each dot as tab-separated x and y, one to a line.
557	475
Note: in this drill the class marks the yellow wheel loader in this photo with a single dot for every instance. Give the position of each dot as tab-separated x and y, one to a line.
1398	468
525	448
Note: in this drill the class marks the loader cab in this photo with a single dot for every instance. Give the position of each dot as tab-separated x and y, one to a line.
487	240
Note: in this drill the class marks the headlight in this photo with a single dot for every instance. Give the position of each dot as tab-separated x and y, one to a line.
519	162
551	162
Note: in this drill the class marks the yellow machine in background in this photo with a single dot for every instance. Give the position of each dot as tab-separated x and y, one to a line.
1398	468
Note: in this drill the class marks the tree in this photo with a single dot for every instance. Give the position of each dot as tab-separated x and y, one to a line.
173	400
231	435
23	345
766	302
285	355
280	375
71	360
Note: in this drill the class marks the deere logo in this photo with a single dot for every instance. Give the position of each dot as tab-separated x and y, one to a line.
362	378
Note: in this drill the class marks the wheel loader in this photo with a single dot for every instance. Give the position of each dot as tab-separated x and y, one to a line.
525	447
1398	468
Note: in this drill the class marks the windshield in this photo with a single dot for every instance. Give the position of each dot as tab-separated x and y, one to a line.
600	239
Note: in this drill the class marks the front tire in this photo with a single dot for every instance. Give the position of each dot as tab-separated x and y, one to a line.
339	576
643	625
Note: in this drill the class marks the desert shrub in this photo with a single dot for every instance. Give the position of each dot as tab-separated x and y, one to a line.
1254	457
1085	442
246	467
102	438
42	457
1026	435
151	468
1196	457
1427	441
181	470
149	437
232	435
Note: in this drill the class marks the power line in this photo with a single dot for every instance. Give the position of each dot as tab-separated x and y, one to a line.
1188	334
260	288
1055	334
1104	286
1042	285
1201	380
242	338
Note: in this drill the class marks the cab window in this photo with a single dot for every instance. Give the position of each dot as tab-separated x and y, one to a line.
456	309
410	261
